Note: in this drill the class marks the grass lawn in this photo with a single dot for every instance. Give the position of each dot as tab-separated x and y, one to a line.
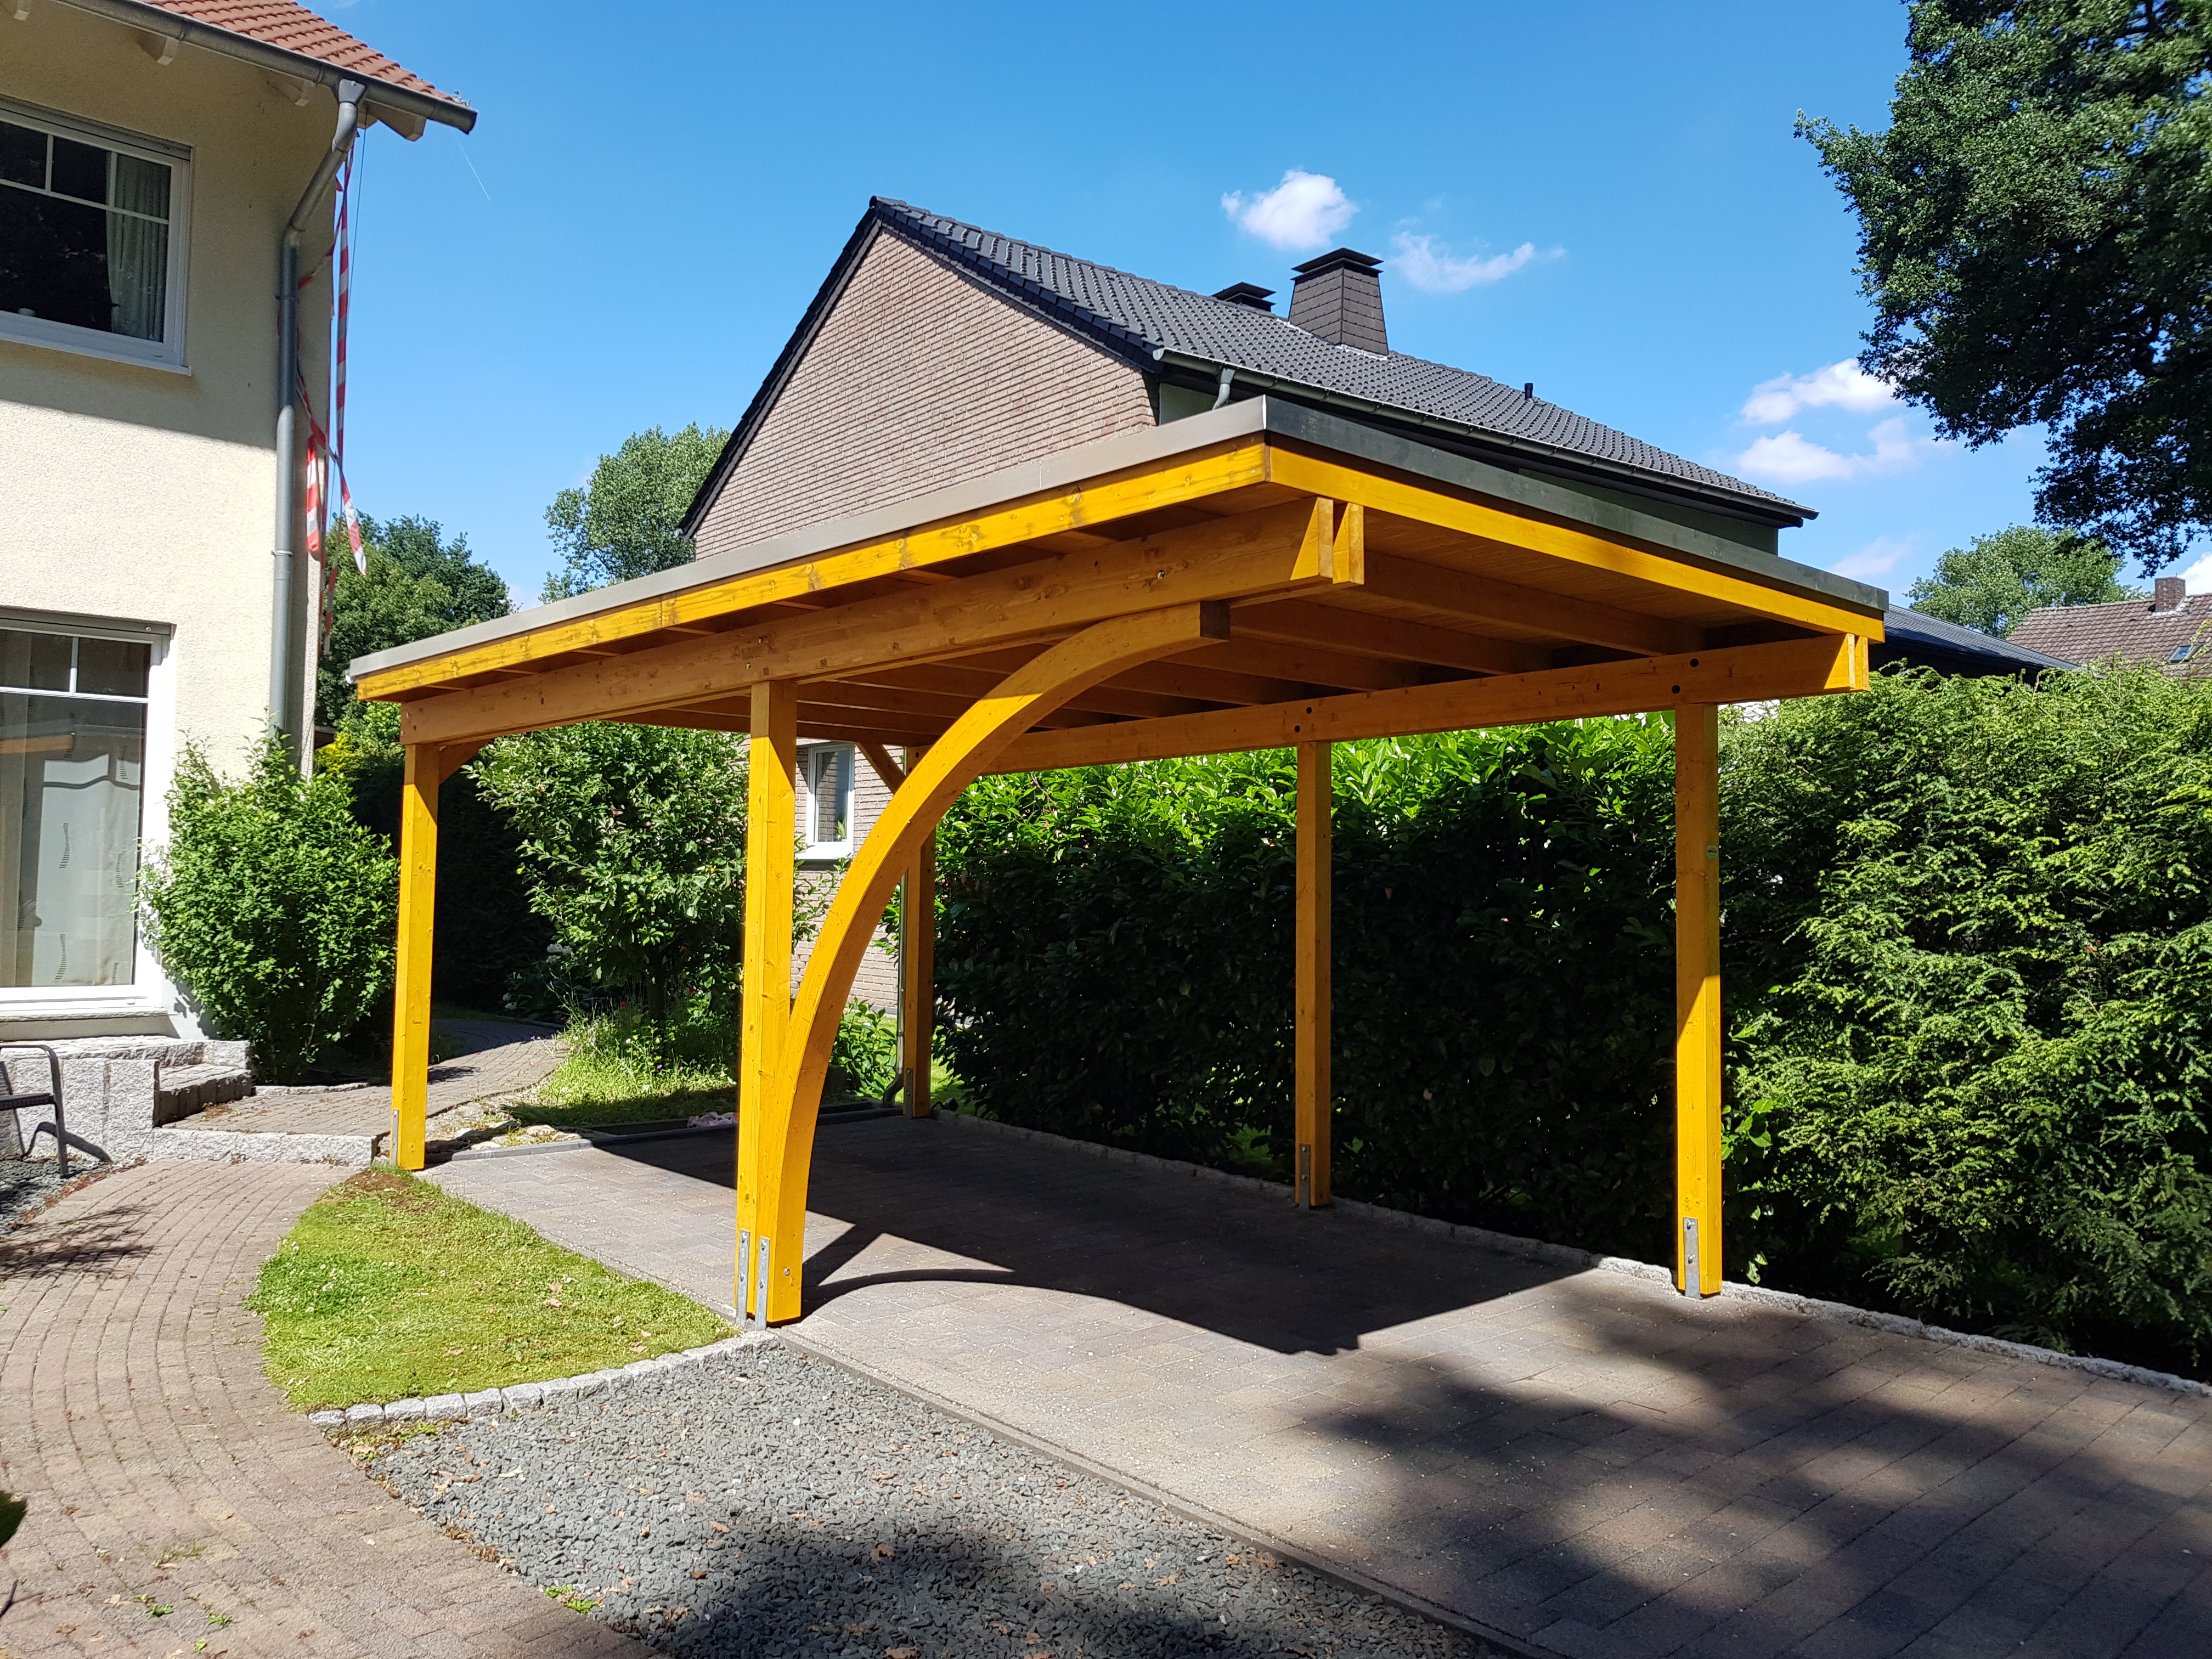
389	1287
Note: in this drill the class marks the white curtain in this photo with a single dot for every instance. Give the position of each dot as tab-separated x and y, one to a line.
137	248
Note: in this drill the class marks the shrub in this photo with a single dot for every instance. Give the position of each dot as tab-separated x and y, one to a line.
272	908
864	1057
1970	933
634	840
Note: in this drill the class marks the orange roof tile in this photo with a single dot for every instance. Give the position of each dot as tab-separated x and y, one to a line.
294	28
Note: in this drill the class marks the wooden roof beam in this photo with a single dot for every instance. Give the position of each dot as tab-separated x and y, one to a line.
1743	673
1277	550
1484	600
1358	633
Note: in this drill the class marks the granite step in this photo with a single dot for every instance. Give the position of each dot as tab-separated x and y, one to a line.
183	1090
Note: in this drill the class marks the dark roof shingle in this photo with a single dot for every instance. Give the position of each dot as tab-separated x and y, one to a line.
1150	317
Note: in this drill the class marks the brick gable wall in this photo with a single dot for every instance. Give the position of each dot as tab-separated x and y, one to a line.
916	381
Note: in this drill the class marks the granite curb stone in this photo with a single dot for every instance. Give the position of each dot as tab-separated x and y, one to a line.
1566	1255
524	1396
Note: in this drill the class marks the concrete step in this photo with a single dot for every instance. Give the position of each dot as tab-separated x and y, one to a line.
184	1090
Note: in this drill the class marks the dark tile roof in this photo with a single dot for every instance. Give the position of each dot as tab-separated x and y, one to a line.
1143	318
1929	643
2130	629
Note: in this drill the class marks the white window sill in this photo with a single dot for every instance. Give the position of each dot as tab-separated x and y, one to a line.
826	853
91	347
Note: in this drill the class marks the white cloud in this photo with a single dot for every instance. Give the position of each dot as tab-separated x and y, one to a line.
1843	385
1305	210
1877	558
1420	263
2199	576
1790	458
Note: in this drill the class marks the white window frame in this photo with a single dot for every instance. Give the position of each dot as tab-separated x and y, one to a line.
168	351
150	991
812	761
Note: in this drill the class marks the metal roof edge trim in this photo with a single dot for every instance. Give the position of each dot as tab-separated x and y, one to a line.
1253	417
248	49
1546	495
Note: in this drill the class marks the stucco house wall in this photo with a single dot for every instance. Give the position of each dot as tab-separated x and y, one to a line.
146	494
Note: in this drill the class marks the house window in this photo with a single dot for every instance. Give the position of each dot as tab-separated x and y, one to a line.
91	239
2184	652
72	764
828	801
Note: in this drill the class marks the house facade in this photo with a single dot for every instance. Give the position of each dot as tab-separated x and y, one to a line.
154	588
2172	630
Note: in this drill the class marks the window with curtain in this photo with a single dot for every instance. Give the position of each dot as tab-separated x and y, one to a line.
87	236
72	763
828	801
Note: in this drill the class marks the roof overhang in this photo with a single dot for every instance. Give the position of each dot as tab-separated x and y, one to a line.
1366	583
384	97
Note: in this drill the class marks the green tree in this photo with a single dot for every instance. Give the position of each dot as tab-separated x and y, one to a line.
418	584
2036	234
1994	582
634	841
272	908
623	523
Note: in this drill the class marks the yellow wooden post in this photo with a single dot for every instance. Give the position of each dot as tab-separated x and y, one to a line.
1310	1036
411	989
918	968
1697	1001
790	1104
771	848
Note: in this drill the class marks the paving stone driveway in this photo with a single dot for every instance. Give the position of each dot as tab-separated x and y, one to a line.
1582	1461
134	1417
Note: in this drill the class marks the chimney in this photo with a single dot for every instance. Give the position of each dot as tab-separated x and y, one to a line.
2169	594
1249	293
1338	297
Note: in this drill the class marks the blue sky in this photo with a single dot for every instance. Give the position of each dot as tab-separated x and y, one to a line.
1616	209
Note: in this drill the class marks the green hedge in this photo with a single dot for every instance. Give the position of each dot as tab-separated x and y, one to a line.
1966	953
1114	960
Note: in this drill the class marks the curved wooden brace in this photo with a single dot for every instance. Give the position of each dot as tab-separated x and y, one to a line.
772	1191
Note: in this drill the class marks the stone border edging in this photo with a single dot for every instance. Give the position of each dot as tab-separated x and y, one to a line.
491	1402
1566	1255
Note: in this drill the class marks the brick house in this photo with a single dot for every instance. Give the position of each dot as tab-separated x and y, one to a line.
2172	629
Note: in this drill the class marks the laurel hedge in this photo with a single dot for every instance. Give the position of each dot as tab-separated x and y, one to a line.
1967	954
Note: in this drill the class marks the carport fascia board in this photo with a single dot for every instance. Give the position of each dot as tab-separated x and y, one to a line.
1071	489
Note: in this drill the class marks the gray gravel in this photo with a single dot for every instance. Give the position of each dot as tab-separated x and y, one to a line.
769	1504
27	1186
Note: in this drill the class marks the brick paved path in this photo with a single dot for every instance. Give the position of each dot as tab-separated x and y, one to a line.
498	1071
134	1417
1582	1461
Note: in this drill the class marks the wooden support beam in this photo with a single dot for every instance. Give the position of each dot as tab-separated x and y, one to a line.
1276	550
788	1112
1302	666
1187	478
411	986
879	756
1310	1036
1697	1001
1741	673
1480	599
771	856
1360	634
1712	582
918	969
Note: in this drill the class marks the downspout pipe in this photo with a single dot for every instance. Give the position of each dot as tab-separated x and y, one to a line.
287	654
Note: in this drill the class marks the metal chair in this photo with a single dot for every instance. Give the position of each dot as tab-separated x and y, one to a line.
19	1103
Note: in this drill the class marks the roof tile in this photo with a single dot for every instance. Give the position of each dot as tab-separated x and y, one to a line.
294	28
1142	313
2130	629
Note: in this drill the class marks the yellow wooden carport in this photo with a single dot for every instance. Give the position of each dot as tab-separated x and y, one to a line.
1266	575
